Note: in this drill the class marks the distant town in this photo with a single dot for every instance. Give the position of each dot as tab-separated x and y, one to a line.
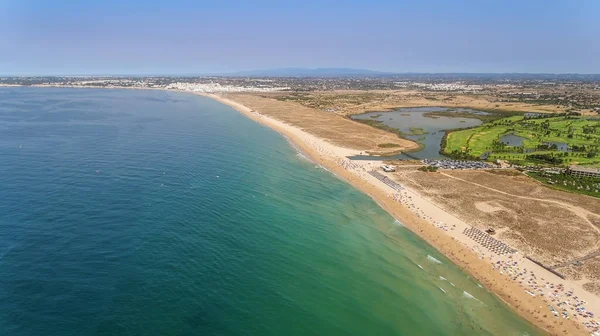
507	166
568	92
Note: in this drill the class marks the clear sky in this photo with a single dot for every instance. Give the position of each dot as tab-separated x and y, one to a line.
187	37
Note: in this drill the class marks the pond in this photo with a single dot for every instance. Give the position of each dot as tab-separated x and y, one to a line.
417	126
560	146
517	141
512	140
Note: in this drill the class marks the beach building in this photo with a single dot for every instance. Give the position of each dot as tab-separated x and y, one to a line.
388	168
580	171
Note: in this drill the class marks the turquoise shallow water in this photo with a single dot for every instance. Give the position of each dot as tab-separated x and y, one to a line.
127	212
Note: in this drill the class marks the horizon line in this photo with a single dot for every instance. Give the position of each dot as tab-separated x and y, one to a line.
240	74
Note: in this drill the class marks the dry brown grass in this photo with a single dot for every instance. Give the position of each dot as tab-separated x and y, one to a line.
525	186
591	269
405	162
334	128
588	273
593	287
553	228
549	225
353	102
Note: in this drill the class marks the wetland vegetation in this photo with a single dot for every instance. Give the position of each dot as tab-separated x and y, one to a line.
420	125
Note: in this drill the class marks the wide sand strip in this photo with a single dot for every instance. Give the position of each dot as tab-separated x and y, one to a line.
418	214
330	146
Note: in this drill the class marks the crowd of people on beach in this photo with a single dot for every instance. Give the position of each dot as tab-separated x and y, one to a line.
563	303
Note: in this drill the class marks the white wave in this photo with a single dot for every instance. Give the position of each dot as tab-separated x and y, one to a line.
452	284
421	267
430	258
465	294
302	156
397	222
469	296
442	278
442	289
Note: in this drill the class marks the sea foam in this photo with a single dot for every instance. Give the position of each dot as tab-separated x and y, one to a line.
469	296
432	259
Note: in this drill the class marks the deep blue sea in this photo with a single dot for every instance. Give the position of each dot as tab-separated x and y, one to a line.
129	212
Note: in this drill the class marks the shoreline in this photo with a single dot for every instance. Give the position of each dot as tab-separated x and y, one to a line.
333	158
453	245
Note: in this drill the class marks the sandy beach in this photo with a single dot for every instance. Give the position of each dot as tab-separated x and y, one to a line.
561	307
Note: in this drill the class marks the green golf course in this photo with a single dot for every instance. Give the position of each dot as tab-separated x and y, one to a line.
530	139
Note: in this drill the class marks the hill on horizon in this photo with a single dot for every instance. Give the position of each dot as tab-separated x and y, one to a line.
310	72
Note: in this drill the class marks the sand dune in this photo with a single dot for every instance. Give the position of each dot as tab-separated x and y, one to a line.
528	288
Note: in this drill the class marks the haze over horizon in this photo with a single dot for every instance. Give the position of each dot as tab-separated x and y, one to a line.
186	37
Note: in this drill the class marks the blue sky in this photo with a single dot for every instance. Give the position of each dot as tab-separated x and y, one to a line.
186	37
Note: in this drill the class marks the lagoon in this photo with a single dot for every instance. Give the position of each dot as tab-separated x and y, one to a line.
154	212
408	119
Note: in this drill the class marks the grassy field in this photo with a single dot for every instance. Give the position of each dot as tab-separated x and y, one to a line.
559	140
459	140
379	124
489	115
417	131
388	145
584	186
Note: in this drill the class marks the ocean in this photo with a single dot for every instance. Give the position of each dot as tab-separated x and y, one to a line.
131	212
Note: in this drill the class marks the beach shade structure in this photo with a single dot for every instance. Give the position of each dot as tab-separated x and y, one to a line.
489	242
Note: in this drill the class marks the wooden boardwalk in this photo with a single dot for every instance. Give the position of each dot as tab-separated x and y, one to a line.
567	263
